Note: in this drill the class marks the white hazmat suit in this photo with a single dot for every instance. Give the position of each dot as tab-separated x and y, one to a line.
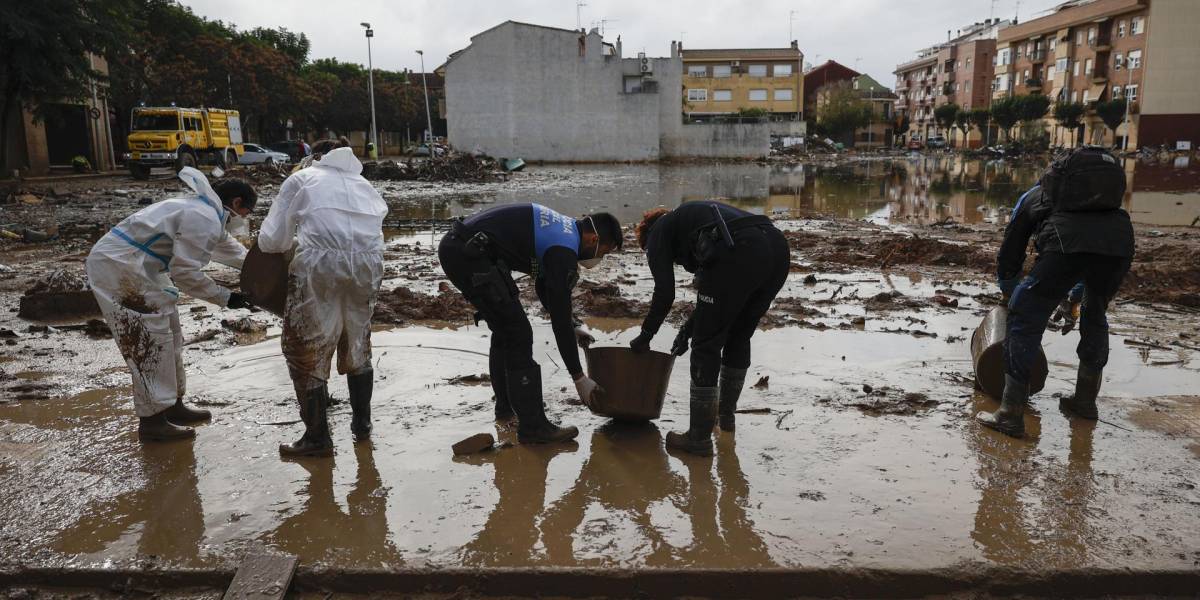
336	218
137	271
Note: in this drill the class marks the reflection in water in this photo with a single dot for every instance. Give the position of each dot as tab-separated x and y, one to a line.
167	507
1033	514
322	532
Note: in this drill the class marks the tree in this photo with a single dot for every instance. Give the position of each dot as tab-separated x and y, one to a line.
1070	116
1005	113
843	112
944	115
1112	113
45	53
981	118
1031	108
962	121
901	123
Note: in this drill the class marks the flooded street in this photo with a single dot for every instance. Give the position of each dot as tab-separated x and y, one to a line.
856	449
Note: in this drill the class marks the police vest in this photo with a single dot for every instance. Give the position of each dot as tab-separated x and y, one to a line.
552	229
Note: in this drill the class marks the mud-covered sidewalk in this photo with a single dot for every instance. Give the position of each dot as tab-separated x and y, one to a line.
855	468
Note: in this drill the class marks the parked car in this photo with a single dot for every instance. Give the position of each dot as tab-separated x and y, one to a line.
936	141
256	154
423	150
914	144
295	149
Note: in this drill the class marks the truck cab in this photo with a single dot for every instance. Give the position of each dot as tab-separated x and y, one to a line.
182	137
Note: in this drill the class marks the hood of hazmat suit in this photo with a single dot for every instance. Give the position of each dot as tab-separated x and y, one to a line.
333	217
137	271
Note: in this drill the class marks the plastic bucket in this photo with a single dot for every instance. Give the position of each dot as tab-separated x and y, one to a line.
635	385
264	279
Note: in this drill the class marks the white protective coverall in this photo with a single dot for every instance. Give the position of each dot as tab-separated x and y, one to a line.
336	217
137	271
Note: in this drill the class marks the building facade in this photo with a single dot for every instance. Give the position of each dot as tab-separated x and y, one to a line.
720	82
879	133
827	73
551	94
1092	51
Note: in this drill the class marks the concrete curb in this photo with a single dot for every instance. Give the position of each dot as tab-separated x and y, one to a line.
656	583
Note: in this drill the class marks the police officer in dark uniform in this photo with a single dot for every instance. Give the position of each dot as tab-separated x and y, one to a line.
479	255
740	261
1082	235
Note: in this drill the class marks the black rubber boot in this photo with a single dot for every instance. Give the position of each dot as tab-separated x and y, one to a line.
181	413
730	389
1010	418
698	438
360	386
1087	387
504	410
525	396
315	441
158	428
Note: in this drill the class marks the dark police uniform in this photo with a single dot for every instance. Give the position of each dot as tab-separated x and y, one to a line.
479	255
733	290
1094	248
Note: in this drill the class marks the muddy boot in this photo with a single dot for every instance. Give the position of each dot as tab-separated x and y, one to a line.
732	382
316	440
181	413
1009	419
1087	387
504	411
525	397
158	428
698	438
360	403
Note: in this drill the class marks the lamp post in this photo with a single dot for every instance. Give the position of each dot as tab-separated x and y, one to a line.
371	85
428	118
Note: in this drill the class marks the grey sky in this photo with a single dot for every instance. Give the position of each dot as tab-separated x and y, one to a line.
880	32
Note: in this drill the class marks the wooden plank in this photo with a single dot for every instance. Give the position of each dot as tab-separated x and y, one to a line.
262	576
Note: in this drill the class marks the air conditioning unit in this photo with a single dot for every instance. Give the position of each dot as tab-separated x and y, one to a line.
644	63
735	63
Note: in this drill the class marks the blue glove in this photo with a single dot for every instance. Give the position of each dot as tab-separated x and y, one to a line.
1008	286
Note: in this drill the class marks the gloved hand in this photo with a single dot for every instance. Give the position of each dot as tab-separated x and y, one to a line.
1068	313
583	338
641	343
1008	286
587	389
680	346
238	300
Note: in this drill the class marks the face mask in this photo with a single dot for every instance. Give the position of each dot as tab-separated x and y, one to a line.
237	226
590	263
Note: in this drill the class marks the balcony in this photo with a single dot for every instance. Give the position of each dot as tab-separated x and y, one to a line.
1037	56
902	85
1033	85
1100	74
1101	43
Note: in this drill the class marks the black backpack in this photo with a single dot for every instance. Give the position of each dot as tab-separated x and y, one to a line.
1087	179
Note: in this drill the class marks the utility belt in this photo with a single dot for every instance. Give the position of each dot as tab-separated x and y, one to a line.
495	287
715	241
476	244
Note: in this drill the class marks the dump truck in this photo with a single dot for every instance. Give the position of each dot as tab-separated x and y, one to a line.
169	136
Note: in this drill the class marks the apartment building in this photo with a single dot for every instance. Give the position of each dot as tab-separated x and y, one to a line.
958	71
725	81
879	133
1092	51
828	73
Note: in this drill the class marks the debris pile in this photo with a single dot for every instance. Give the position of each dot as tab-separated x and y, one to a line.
605	300
262	173
1165	273
456	166
60	295
401	305
890	250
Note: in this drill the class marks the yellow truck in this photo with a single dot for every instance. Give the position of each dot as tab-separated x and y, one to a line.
169	136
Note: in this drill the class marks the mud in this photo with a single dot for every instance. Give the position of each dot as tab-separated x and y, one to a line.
456	167
401	305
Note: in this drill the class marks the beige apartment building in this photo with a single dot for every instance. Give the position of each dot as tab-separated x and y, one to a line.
724	81
958	71
1090	51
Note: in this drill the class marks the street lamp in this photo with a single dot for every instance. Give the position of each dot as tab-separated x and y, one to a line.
428	118
371	86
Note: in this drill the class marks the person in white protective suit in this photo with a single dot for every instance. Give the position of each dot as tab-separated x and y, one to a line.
334	218
137	271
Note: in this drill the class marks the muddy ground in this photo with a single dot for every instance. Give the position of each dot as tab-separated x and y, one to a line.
856	449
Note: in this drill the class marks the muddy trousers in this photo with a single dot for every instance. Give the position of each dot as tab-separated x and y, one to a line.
1051	279
490	288
327	313
732	295
145	325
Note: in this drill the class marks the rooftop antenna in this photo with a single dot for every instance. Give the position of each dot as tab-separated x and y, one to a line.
791	19
604	22
1017	13
578	18
992	12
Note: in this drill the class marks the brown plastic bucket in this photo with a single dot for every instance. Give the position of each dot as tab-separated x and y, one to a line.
264	279
987	355
634	384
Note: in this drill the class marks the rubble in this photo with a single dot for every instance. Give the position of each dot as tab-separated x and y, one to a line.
244	325
60	295
476	443
401	305
260	174
455	166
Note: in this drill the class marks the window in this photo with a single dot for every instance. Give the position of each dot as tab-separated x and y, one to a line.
1075	68
1053	43
1121	28
783	94
1131	93
1074	96
1050	73
1026	74
1091	35
697	95
720	71
1079	38
1085	95
758	95
968	85
1019	52
1135	59
1118	61
1061	65
1087	67
1002	57
722	95
758	71
968	61
783	70
697	71
1116	92
1138	25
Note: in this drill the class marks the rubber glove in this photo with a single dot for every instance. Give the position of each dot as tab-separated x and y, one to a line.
1008	286
1068	313
641	343
587	389
680	346
239	300
583	337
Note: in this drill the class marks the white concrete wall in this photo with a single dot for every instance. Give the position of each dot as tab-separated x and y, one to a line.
719	140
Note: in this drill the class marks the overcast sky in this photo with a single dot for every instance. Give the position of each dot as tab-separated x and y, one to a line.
882	33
